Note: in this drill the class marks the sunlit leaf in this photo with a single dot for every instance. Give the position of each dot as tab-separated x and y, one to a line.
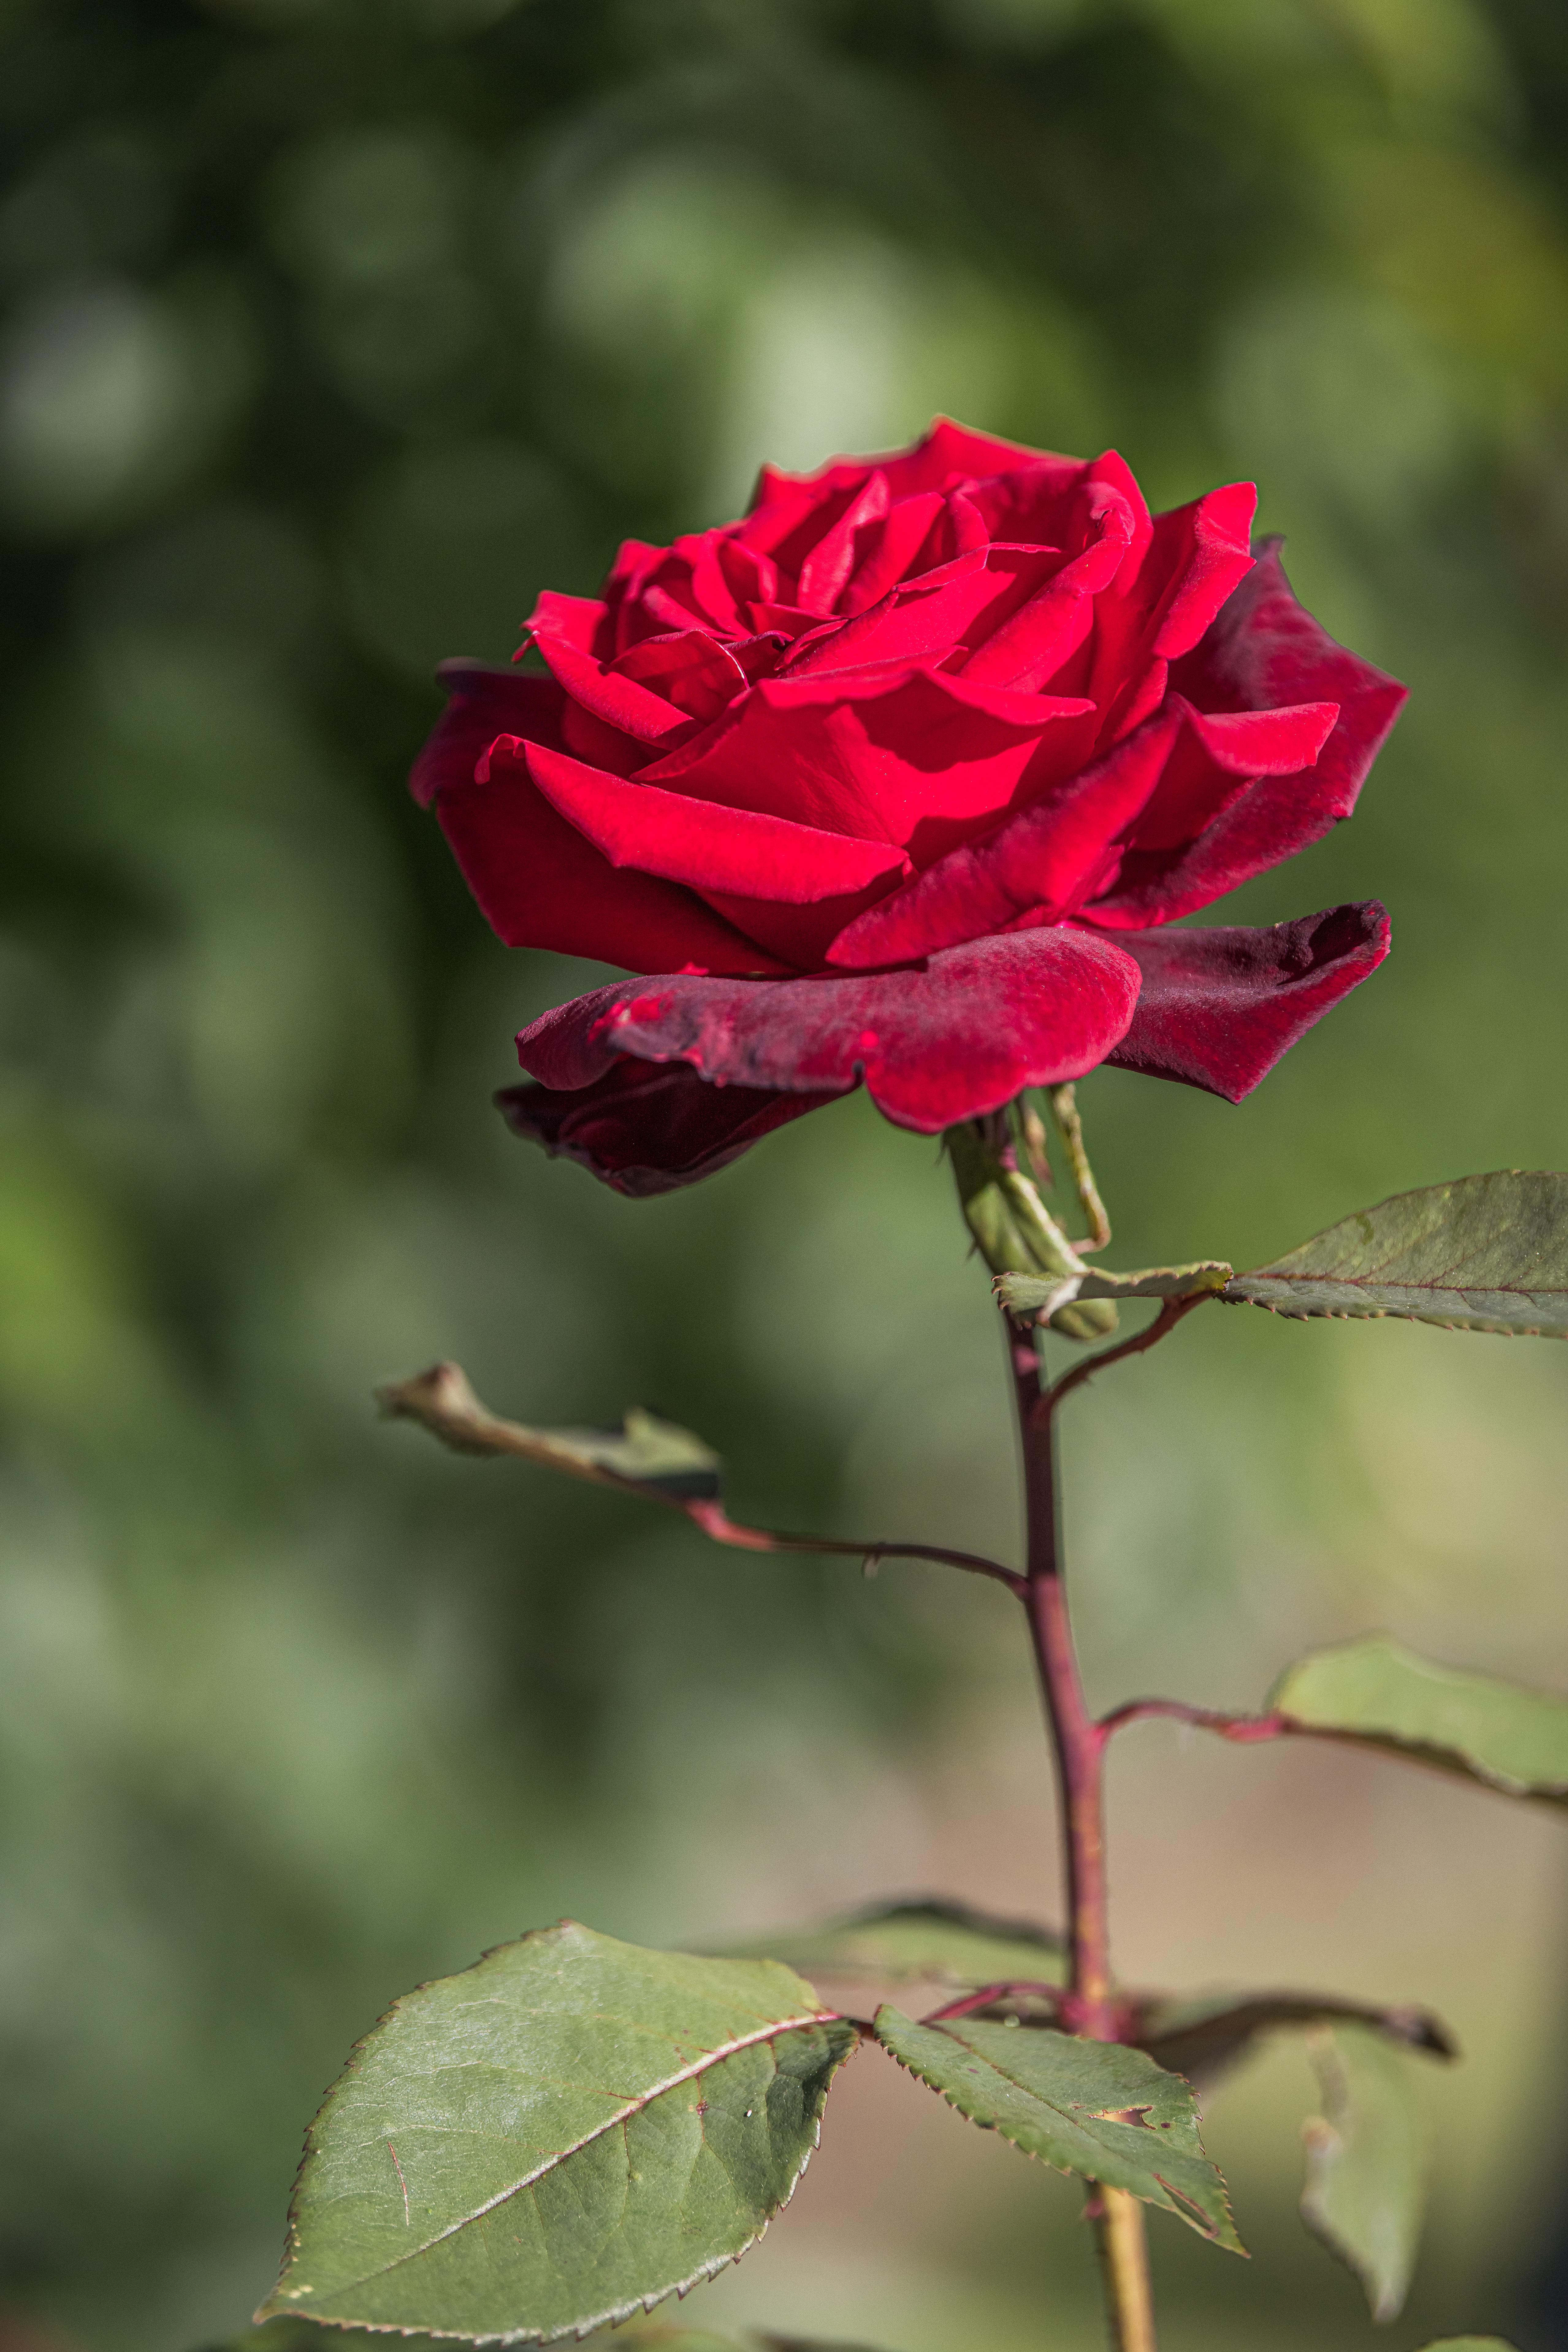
570	2130
1482	1253
1091	2108
932	1942
1380	1696
1366	2168
1031	1294
1203	2038
645	1453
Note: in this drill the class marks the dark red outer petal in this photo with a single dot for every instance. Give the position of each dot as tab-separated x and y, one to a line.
1219	1006
650	1126
947	1040
1265	650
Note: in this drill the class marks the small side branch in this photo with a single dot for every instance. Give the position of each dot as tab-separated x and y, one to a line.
1170	1315
1244	1729
715	1521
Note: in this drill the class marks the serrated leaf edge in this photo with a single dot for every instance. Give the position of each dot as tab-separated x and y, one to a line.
268	2309
1180	2206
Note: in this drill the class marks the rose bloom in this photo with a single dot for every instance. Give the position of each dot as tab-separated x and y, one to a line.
906	779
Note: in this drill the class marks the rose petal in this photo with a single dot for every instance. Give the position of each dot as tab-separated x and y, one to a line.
1264	651
1217	756
1031	647
1036	863
618	699
688	668
906	753
704	844
951	1041
1219	1007
646	1127
540	885
1213	536
483	703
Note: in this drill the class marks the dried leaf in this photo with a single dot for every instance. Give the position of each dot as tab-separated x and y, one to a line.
645	1454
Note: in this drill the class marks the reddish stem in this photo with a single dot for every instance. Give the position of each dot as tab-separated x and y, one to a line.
1079	1744
1170	1315
1245	1729
1076	1740
715	1522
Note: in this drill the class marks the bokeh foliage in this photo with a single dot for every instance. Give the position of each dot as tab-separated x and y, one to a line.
334	330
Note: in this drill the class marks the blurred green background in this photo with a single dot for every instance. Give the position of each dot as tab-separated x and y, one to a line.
333	333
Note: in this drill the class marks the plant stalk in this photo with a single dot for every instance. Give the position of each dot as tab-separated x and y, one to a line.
1077	1745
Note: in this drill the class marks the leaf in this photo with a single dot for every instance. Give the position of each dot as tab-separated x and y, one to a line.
1482	1253
1468	2344
1377	1694
929	1942
1366	2169
1092	2108
1029	1294
632	2335
1203	2038
569	2129
645	1454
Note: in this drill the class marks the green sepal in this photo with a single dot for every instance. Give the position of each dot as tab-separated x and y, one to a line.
563	2134
1366	2173
1482	1253
1029	1295
924	1942
645	1454
1375	1694
1064	2100
1015	1232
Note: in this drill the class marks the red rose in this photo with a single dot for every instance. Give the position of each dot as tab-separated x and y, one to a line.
902	778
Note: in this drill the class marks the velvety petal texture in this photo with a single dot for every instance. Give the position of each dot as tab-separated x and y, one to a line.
899	780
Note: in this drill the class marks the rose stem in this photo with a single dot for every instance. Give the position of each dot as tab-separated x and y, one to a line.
1079	1745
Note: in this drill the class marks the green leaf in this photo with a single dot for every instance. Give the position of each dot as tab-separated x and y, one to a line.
1365	2169
632	2336
570	2130
1377	1694
290	2335
1203	2038
1468	2344
645	1454
1029	1294
1092	2108
1483	1254
930	1943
